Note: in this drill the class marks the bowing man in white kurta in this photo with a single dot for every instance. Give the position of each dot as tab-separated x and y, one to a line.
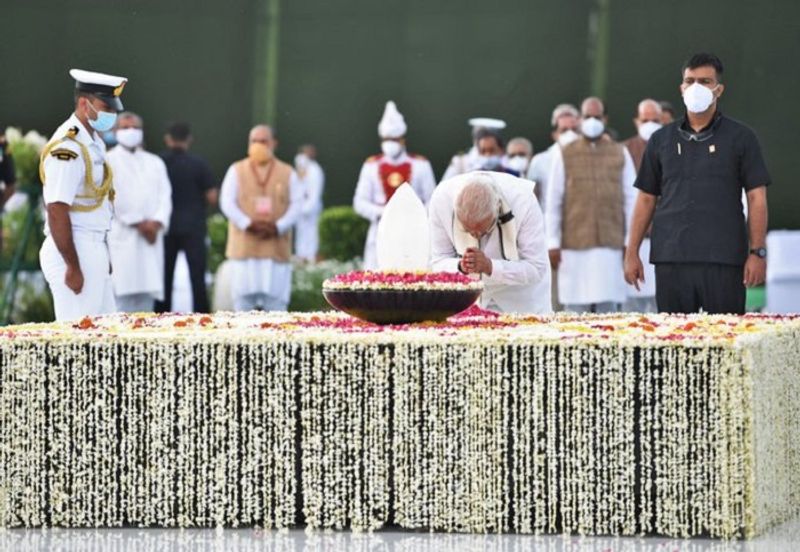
592	278
515	243
382	174
142	211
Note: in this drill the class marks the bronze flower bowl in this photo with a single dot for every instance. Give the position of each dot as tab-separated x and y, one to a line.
401	306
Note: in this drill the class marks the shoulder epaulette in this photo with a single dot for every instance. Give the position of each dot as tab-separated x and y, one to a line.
417	156
373	158
64	154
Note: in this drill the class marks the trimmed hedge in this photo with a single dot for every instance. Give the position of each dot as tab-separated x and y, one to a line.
342	233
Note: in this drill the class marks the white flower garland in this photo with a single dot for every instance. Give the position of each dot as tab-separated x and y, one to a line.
681	426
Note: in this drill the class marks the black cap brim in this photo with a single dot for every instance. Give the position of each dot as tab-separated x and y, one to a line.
111	101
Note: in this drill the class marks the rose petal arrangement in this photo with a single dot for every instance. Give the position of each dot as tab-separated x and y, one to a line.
396	280
617	424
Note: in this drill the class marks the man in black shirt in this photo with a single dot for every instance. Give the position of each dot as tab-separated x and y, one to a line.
193	189
691	180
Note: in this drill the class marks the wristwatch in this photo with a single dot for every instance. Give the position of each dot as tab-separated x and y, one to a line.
760	252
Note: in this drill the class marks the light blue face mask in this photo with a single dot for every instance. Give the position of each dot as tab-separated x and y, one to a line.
105	121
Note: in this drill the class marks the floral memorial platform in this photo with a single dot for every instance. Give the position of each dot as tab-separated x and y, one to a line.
619	424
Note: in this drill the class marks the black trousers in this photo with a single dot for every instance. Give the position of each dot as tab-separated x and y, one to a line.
194	245
688	287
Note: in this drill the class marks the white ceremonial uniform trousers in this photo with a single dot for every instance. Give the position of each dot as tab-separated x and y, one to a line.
97	295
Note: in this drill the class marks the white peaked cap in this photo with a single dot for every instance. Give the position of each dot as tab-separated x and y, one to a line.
105	87
392	124
487	122
92	77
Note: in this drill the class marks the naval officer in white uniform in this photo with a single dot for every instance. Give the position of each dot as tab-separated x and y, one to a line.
78	194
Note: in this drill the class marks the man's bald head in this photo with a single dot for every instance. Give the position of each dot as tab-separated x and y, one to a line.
593	107
262	133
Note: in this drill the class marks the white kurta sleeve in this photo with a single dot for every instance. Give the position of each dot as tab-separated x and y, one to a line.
555	200
628	191
315	184
538	171
228	201
362	200
295	209
63	178
164	191
533	264
440	217
427	181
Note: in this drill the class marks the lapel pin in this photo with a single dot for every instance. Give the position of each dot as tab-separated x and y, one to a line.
712	148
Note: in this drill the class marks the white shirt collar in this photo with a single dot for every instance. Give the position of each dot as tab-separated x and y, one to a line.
83	135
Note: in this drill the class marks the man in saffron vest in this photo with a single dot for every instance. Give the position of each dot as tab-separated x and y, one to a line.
261	198
590	196
78	195
382	174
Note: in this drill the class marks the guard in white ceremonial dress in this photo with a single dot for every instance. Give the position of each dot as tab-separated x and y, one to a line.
142	212
78	194
382	174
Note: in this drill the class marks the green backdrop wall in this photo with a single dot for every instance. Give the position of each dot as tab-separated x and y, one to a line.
442	62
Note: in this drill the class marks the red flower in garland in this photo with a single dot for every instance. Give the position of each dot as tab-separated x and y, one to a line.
85	324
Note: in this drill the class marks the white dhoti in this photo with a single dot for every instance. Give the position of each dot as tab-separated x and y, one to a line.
591	276
263	283
306	235
97	295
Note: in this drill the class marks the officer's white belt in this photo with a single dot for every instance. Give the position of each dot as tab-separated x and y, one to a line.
90	235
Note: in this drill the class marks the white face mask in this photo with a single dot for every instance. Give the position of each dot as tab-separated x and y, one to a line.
129	137
592	128
698	98
301	161
647	129
489	162
567	137
391	148
518	163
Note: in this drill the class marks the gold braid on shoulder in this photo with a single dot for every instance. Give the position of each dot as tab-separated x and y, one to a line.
91	191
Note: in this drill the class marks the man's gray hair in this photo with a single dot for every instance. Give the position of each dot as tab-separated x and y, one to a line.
590	100
477	201
521	141
130	115
648	101
561	110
